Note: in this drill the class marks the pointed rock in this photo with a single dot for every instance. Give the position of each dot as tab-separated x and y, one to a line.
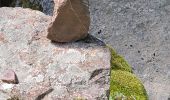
70	22
9	76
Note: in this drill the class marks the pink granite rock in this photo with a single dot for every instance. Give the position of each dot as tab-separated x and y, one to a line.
51	71
9	76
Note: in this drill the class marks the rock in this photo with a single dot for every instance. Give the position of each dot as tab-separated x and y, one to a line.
4	96
138	30
37	91
9	76
70	22
72	70
6	86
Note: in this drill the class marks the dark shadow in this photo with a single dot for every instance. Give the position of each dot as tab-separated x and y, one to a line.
85	43
40	97
95	73
46	7
92	39
5	3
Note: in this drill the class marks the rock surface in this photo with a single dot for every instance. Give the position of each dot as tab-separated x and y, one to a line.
70	22
140	31
46	70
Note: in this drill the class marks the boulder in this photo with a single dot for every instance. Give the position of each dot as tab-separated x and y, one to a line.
48	70
70	22
140	31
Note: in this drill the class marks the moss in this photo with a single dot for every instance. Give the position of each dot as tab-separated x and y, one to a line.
124	85
118	62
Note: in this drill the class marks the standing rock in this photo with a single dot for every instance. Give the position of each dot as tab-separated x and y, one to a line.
71	20
9	76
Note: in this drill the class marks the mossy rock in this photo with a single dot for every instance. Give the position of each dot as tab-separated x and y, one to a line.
118	62
126	86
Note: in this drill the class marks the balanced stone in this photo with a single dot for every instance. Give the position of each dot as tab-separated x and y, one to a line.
70	22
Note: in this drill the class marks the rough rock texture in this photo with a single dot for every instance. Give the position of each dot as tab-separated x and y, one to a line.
71	20
49	70
139	30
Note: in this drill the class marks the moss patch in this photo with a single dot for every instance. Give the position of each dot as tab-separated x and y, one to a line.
118	62
124	85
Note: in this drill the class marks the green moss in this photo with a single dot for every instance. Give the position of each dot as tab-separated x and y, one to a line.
118	62
124	85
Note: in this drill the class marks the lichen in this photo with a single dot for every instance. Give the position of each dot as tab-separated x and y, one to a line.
124	85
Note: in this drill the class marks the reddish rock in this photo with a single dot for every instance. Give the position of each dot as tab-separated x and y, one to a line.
9	76
70	22
69	70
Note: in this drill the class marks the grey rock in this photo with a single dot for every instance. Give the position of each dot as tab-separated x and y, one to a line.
49	70
138	30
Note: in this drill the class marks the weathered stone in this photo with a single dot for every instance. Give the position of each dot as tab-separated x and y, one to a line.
71	20
9	76
140	31
72	70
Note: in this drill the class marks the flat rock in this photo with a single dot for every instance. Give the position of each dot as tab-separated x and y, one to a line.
70	22
47	70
